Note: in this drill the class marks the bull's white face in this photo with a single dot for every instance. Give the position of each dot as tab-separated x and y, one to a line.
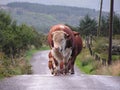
59	40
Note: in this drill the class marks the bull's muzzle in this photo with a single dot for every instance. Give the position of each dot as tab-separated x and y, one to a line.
58	49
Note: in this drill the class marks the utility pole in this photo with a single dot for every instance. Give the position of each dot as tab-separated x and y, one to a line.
99	22
110	32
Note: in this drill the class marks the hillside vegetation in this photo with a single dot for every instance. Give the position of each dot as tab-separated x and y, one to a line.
43	16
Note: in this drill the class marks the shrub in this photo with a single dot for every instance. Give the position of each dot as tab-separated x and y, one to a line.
7	69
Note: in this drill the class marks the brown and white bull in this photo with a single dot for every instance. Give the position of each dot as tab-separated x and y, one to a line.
65	46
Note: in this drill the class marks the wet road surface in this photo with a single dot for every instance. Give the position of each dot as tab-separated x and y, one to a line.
41	79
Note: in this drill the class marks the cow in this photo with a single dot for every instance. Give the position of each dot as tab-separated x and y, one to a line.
65	45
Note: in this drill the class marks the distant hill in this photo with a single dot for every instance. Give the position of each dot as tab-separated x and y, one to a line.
43	16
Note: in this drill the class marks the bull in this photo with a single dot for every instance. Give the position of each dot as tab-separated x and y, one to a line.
65	46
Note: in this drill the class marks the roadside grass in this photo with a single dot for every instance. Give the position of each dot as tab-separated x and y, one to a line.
44	47
30	52
115	57
8	69
85	62
22	64
88	65
113	69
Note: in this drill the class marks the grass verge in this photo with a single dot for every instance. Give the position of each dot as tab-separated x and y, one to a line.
8	69
22	64
30	52
85	62
88	65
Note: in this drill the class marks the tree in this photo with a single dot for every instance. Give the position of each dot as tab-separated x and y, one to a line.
15	39
116	24
88	26
105	25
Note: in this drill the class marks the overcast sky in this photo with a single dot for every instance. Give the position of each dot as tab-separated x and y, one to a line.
94	4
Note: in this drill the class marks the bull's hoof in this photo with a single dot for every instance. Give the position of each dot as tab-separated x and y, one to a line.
52	73
66	71
72	73
61	72
56	73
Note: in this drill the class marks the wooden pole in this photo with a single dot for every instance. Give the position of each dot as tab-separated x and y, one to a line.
110	32
99	22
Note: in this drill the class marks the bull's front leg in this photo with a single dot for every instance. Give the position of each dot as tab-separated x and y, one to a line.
62	67
54	69
59	68
53	66
67	57
68	66
65	66
51	63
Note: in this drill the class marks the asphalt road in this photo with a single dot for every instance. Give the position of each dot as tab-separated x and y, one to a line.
41	79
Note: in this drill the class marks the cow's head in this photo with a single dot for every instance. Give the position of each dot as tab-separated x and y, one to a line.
59	40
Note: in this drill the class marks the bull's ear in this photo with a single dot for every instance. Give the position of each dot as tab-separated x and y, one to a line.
76	33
